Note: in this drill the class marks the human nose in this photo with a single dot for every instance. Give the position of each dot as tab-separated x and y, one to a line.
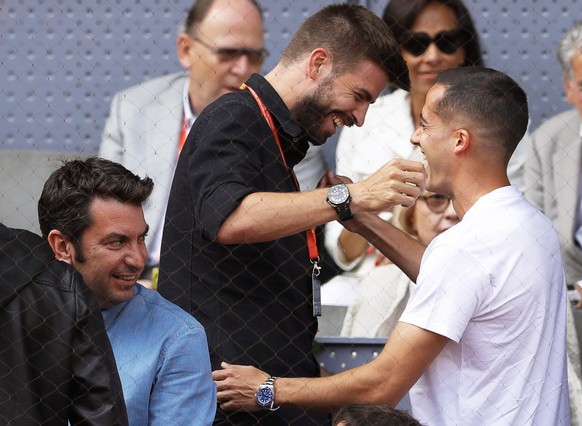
242	66
136	255
432	53
450	214
359	114
415	138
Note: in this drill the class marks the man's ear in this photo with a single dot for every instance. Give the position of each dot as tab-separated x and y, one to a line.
462	140
62	247
184	49
319	64
569	90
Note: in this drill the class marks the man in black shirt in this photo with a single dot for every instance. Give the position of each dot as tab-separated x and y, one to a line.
235	251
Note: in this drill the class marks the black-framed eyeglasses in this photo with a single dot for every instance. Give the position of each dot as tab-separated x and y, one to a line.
447	41
227	54
436	203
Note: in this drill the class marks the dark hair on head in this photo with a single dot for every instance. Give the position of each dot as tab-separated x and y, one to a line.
200	9
488	98
400	15
373	415
351	33
68	192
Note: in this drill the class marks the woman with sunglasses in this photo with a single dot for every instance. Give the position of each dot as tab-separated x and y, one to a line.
383	294
434	35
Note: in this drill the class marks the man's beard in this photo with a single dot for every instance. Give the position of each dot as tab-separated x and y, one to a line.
311	110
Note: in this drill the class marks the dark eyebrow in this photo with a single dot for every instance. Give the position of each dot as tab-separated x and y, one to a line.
114	236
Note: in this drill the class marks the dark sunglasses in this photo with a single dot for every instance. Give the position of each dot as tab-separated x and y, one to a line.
437	203
447	41
227	54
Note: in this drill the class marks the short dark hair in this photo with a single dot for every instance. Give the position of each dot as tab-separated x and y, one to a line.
200	9
68	192
487	97
400	15
373	415
351	33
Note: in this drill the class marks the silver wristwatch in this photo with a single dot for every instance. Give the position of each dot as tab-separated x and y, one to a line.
338	196
265	395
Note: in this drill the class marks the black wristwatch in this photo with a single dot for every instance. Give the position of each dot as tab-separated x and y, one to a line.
338	196
265	395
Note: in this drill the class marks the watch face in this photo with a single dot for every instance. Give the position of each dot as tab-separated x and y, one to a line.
264	396
338	194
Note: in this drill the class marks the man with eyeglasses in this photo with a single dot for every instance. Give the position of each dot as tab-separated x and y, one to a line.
220	46
482	338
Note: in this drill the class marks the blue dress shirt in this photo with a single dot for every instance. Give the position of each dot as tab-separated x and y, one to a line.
163	361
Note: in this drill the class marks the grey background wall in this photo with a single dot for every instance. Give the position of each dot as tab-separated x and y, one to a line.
62	60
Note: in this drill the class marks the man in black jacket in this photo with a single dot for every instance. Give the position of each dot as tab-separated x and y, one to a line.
56	362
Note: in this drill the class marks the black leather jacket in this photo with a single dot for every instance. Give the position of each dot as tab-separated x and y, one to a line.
56	362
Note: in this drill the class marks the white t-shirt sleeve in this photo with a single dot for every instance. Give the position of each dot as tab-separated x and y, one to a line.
451	290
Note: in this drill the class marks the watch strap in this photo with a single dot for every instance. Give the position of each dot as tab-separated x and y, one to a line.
343	210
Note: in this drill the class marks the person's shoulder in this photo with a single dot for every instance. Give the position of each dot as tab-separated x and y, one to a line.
568	120
390	112
166	312
29	259
392	101
153	87
236	107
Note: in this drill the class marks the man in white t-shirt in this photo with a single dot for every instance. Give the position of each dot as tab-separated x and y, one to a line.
482	339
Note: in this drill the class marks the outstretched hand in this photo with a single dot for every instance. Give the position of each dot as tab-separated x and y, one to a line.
236	386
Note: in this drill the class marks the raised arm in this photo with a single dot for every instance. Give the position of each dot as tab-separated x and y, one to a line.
267	216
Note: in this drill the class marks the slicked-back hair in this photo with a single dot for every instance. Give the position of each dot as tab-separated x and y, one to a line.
68	192
199	11
351	33
490	99
400	15
570	43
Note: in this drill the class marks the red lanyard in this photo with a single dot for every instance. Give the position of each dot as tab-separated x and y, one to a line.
311	239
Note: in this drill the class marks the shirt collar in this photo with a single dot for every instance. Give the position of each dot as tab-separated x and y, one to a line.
293	138
111	314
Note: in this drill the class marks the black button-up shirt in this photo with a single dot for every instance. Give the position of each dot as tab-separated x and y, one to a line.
254	300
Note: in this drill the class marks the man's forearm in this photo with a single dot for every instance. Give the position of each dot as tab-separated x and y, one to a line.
403	250
357	386
267	216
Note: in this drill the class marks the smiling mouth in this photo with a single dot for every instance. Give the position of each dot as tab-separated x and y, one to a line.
340	121
130	279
